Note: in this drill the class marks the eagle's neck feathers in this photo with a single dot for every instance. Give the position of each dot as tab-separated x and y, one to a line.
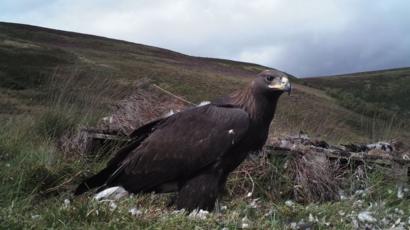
261	107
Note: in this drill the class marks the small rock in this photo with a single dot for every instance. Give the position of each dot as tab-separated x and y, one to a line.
254	203
355	224
360	193
113	193
269	213
342	195
35	216
66	203
180	211
113	205
289	203
399	211
201	214
400	193
385	221
358	203
245	223
397	221
135	212
366	217
311	218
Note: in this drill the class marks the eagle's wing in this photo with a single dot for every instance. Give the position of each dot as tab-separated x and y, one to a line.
181	145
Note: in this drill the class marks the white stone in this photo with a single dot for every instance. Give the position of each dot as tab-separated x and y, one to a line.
135	212
358	203
35	217
113	193
66	203
245	223
400	193
385	221
311	218
113	205
355	224
201	214
289	203
359	192
108	119
366	216
342	195
397	221
254	203
399	211
180	211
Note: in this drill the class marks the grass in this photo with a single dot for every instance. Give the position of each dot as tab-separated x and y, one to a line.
384	93
37	179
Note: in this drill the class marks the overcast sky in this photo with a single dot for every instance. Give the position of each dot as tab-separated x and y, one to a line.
304	38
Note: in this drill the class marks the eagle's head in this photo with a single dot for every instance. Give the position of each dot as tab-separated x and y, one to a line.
272	81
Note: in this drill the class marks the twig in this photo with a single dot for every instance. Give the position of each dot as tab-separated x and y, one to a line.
64	183
253	183
177	97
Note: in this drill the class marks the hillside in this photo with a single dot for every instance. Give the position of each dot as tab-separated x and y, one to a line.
30	55
54	83
36	61
384	93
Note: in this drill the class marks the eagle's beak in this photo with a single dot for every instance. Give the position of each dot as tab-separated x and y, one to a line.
282	83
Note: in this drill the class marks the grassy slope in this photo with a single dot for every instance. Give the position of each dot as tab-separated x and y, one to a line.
33	55
386	92
381	95
51	81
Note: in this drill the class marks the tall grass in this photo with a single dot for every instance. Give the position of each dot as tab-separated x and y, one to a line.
31	167
75	101
36	177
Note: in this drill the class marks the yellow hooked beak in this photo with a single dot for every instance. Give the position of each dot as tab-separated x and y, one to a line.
281	83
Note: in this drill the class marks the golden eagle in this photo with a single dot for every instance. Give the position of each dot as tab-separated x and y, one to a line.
193	151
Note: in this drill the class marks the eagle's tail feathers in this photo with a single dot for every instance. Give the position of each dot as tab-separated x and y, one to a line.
98	180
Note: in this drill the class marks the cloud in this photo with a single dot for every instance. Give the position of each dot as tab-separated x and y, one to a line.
304	38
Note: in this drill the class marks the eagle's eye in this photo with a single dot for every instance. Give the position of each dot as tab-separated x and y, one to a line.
269	78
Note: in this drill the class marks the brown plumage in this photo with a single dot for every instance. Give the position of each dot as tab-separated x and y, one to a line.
193	152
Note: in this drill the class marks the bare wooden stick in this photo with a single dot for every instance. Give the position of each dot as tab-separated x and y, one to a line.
177	97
